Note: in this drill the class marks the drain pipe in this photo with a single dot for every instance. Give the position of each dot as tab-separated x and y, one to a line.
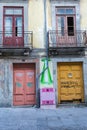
45	38
45	30
46	47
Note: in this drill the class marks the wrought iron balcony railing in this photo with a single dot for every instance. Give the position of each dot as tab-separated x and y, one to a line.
18	40
58	38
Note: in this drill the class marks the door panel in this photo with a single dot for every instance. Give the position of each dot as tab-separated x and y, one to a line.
30	81
24	84
18	87
66	30
60	30
71	36
8	26
19	82
70	26
30	99
18	26
18	100
18	31
61	25
8	30
30	86
13	27
70	82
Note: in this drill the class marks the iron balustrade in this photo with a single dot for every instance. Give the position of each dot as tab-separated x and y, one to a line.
57	38
19	40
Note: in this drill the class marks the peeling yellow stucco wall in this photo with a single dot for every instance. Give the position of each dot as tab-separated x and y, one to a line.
49	17
36	22
83	12
36	19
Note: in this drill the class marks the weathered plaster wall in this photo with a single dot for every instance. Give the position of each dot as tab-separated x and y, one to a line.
83	14
36	22
49	15
6	83
6	79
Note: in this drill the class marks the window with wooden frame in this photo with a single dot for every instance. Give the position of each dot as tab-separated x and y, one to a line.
65	21
13	26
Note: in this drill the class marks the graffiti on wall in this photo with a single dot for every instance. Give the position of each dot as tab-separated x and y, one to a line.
46	77
69	84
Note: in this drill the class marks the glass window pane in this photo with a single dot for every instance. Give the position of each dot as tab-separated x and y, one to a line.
70	25
9	11
61	11
69	11
65	11
13	11
18	29
18	11
61	26
8	26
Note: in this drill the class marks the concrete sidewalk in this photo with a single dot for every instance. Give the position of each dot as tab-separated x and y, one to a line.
62	118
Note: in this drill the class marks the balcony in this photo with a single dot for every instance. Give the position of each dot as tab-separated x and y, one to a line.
66	42
11	43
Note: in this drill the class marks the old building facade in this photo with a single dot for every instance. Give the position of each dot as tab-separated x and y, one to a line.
43	52
16	64
67	49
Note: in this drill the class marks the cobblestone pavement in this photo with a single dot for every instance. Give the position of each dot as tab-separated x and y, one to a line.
62	118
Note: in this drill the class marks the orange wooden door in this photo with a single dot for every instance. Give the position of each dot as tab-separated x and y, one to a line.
24	85
70	82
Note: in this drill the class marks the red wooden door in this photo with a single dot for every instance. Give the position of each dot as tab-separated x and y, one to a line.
13	27
24	86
